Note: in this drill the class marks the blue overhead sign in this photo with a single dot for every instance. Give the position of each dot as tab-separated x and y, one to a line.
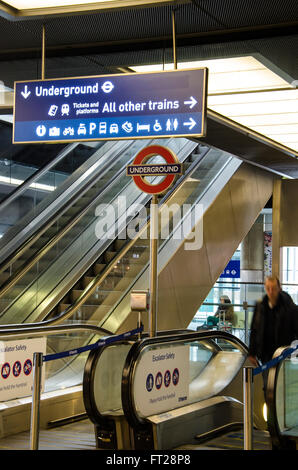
127	106
232	270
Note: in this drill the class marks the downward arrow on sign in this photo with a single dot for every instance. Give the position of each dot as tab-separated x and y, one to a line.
26	92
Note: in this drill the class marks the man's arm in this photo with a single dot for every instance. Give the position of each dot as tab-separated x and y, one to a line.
252	348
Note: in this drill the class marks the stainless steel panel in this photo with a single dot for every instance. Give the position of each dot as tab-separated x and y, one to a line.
15	415
188	277
289	213
180	426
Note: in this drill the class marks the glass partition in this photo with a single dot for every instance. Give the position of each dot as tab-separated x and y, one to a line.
66	372
243	297
14	173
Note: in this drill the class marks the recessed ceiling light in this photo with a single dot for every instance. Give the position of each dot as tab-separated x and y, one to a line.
28	4
75	5
249	93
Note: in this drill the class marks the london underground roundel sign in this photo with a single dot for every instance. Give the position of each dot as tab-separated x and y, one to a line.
140	169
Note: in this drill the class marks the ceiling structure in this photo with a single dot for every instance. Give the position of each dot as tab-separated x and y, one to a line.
251	47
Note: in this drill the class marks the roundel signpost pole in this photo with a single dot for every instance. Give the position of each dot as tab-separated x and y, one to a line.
153	286
139	170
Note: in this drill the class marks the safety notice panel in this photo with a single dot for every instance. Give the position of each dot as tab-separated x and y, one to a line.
126	106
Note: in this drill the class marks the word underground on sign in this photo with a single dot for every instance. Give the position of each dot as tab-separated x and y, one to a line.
140	168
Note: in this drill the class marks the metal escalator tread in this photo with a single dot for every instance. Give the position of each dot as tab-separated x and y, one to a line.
233	441
74	436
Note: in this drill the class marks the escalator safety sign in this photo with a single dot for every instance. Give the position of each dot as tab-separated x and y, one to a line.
16	367
119	106
161	380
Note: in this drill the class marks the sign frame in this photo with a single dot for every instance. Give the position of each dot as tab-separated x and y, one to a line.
100	138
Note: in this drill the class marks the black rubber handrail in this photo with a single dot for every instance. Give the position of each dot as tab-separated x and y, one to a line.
137	348
49	222
279	440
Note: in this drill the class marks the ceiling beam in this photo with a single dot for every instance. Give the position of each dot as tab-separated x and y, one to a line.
134	45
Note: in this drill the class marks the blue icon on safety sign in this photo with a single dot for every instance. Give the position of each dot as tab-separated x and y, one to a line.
149	382
175	376
27	367
158	380
167	378
5	370
17	368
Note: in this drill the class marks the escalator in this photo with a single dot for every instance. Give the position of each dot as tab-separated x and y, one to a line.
78	257
88	279
69	245
74	276
42	193
174	391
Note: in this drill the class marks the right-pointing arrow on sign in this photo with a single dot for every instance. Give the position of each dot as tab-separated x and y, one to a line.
192	101
191	123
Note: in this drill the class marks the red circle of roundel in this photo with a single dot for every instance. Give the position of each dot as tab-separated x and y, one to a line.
142	157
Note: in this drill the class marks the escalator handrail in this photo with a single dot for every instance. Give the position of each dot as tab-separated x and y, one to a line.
36	175
17	253
273	423
177	188
69	311
92	286
47	330
136	350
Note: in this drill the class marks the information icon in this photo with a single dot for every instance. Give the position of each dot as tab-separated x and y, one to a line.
41	131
